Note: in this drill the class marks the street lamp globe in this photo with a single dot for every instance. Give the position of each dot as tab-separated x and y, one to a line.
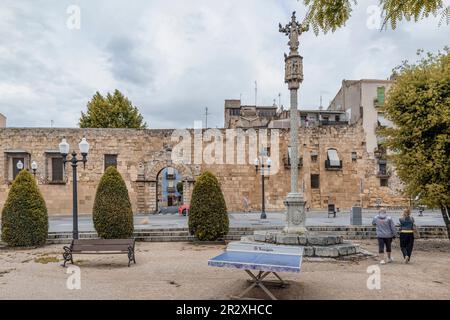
34	167
84	147
269	162
64	147
256	162
19	165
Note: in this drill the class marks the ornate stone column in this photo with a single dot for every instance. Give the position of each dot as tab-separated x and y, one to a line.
295	202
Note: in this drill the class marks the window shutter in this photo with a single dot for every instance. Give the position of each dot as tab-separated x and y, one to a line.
57	169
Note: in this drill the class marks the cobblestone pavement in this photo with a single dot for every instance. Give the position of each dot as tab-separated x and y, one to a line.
274	219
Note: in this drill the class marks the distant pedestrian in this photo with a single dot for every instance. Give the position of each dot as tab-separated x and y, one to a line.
420	212
386	232
407	228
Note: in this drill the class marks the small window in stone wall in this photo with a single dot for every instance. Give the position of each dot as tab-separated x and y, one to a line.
110	160
354	156
54	168
315	181
12	159
384	182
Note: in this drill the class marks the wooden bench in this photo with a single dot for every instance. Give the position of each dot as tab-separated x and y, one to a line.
100	246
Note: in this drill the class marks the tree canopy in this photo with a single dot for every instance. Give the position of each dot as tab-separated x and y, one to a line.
330	15
208	217
112	111
112	212
418	104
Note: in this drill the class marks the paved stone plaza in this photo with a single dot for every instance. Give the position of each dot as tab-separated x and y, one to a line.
314	218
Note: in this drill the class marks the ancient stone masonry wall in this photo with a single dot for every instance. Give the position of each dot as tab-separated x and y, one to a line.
142	154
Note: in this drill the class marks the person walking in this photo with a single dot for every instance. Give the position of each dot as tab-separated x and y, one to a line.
407	228
386	232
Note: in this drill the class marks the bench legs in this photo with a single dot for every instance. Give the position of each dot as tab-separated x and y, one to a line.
131	256
67	255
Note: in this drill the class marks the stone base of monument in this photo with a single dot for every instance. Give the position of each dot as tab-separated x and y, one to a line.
315	245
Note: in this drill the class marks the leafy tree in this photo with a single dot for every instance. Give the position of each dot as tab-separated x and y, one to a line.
112	111
418	104
208	217
330	15
112	212
24	216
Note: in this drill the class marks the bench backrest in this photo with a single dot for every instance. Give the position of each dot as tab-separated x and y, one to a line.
102	244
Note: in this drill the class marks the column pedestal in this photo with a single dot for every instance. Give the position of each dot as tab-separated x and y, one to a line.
296	215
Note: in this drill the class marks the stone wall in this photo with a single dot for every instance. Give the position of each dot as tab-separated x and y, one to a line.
142	154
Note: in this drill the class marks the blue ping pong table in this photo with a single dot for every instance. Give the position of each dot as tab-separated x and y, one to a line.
264	258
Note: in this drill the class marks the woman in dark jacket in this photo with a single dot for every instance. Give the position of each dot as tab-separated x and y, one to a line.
407	228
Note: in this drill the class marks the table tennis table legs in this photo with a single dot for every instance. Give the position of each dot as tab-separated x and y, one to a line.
257	280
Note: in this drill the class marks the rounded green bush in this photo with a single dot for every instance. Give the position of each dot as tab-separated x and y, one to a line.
208	218
24	216
112	212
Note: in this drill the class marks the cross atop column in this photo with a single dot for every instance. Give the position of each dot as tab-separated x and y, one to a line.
293	30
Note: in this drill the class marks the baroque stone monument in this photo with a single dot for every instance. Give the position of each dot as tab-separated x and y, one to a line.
295	201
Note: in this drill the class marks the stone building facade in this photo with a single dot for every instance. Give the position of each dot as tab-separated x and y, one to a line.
141	155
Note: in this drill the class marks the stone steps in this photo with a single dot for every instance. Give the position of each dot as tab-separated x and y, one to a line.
182	234
159	235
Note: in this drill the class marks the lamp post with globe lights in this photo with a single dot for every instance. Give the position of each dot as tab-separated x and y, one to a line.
260	166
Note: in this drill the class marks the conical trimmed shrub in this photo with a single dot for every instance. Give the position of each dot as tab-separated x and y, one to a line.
24	216
208	218
112	212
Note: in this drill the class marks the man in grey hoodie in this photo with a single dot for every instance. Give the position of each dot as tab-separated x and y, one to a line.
386	231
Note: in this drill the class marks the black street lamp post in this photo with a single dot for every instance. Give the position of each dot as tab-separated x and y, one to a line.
260	166
34	167
64	150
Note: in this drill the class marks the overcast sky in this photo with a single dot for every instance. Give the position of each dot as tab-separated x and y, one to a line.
174	58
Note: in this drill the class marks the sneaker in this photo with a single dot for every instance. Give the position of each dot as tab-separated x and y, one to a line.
407	259
390	260
382	262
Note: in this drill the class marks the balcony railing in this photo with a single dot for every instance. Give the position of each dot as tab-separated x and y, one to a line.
383	174
377	103
328	165
332	123
171	189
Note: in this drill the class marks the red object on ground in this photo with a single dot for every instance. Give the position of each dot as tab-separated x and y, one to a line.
183	210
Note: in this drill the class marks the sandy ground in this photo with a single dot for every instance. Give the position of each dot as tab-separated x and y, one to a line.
180	271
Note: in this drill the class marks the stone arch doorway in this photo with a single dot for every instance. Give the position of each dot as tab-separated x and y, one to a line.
168	194
161	192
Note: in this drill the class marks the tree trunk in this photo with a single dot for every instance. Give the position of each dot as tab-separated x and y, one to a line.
445	215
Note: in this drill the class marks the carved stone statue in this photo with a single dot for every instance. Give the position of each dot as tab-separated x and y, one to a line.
293	30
